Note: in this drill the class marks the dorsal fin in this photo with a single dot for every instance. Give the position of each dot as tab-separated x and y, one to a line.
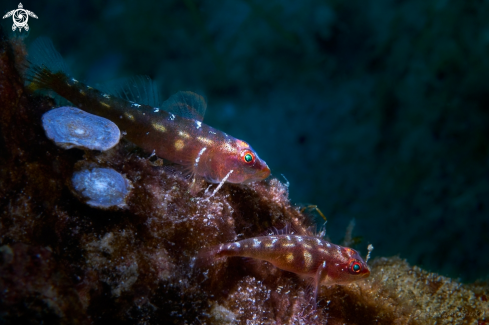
186	104
143	90
138	89
43	53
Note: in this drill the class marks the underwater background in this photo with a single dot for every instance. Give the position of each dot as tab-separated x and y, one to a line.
375	112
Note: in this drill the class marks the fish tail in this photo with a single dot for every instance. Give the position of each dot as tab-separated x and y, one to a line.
39	78
207	256
46	65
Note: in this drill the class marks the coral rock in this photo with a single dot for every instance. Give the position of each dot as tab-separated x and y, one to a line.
33	290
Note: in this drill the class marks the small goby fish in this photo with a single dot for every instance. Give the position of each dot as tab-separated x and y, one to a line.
309	257
203	150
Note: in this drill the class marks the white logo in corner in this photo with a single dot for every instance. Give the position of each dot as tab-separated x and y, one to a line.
20	17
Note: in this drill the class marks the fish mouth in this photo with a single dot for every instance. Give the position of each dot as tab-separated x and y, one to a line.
263	173
258	175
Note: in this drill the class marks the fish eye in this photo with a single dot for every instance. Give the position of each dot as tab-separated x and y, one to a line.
355	267
248	157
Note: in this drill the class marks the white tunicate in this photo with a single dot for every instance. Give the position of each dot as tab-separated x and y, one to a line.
70	127
101	187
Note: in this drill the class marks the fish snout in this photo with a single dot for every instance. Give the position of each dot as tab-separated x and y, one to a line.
264	172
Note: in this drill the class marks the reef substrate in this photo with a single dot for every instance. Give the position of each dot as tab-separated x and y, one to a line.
64	262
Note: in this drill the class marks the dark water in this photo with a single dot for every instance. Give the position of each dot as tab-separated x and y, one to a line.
375	112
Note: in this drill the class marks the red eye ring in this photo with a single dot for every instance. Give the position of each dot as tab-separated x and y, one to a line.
355	267
248	157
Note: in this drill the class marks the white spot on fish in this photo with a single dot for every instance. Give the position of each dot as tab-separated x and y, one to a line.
135	105
183	134
320	243
238	245
256	243
106	96
74	80
198	124
274	241
328	244
156	109
299	239
212	132
288	237
172	117
198	156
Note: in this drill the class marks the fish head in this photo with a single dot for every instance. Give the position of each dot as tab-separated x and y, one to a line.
246	165
345	267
